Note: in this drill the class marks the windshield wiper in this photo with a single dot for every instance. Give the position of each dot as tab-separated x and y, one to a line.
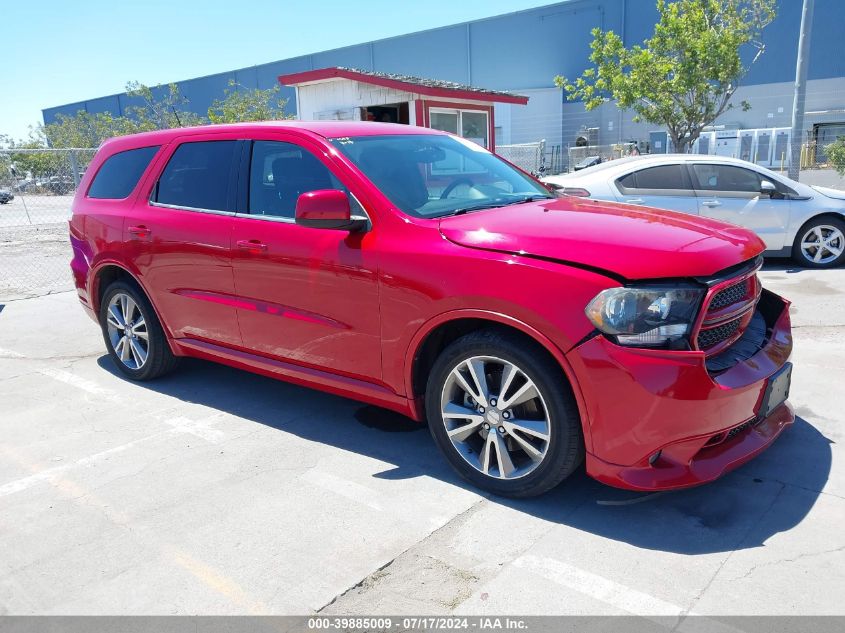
495	205
532	198
478	207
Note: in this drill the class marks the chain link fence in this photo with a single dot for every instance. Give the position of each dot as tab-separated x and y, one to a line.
527	156
583	156
36	190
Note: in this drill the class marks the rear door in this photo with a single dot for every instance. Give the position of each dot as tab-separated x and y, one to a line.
179	237
660	186
306	295
732	194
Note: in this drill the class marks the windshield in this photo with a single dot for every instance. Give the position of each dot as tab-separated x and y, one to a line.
433	175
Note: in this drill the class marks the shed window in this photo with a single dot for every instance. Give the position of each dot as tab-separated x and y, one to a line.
473	125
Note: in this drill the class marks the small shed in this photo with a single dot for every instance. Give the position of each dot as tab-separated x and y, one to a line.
348	94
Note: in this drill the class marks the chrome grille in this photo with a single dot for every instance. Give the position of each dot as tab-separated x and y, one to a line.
713	336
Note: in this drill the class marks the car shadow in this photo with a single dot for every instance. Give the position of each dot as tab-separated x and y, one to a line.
741	510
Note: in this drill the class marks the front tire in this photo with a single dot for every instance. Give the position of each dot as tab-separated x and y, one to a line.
133	334
820	243
503	415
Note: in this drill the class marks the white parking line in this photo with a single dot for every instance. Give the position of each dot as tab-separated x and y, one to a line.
621	596
83	384
46	475
200	428
598	587
178	426
344	488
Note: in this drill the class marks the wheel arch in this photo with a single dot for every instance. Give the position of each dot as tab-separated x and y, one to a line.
441	330
836	214
107	273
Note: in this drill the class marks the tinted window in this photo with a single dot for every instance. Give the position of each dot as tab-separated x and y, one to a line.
726	178
197	176
662	177
280	173
628	181
120	173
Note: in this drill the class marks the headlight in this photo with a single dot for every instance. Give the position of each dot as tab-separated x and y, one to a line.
645	316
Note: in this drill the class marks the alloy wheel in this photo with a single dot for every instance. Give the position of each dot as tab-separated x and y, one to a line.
822	244
495	417
127	330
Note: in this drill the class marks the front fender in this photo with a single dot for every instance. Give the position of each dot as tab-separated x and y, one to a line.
494	317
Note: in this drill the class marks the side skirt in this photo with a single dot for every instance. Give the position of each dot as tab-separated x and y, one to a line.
296	374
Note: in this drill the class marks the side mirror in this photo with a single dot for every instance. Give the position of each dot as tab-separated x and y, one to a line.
767	188
327	209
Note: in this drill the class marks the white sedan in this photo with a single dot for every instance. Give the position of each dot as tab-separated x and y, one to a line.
794	219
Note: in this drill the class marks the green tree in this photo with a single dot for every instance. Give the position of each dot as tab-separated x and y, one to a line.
836	154
151	109
39	164
89	129
160	113
242	104
686	74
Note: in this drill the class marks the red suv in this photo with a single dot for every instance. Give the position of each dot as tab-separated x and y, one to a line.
415	270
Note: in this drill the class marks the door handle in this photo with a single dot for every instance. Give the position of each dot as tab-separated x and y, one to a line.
140	231
712	203
634	201
253	246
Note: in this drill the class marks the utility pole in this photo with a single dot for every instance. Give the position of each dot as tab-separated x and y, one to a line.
800	88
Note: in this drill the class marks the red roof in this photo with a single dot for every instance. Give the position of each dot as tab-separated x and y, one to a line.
408	83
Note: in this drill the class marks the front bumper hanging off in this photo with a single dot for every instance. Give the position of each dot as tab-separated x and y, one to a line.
659	419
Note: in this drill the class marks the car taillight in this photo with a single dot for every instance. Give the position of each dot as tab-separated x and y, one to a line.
575	191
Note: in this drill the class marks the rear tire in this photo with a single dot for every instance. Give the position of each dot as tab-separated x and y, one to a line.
533	439
817	242
133	334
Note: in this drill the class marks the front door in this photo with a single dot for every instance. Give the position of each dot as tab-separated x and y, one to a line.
180	237
732	194
307	295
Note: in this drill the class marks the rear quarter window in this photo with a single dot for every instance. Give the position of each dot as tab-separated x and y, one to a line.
628	181
120	173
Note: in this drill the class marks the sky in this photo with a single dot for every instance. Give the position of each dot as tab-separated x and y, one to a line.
65	51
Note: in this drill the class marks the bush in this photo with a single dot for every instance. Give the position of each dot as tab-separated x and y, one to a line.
836	154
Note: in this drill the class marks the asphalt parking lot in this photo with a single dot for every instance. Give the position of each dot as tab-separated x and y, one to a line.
214	491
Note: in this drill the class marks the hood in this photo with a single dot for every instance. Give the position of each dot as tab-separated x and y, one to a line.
627	241
836	194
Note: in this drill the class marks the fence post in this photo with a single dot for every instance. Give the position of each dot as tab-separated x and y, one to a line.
74	165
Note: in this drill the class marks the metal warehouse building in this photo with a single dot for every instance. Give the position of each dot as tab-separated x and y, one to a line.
522	52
